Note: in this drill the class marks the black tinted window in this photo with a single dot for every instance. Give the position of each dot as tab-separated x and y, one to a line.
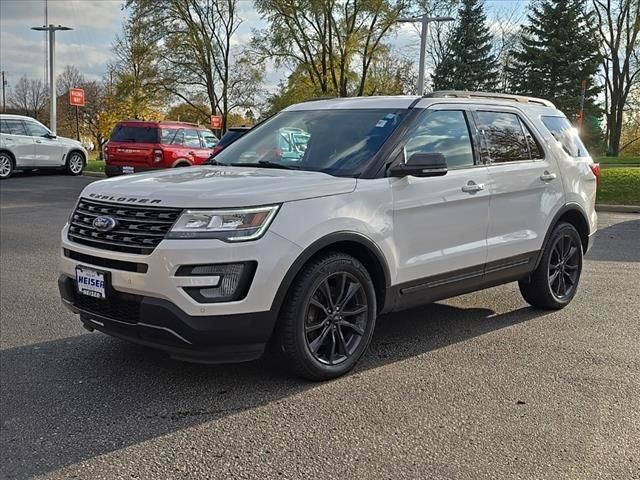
444	132
564	133
135	134
505	140
13	127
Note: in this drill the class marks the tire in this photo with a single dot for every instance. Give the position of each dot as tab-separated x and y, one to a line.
182	164
554	283
313	337
7	165
75	163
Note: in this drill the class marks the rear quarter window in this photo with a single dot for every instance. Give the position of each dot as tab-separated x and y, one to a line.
566	135
135	134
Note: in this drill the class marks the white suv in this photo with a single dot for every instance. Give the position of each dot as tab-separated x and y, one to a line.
26	144
392	202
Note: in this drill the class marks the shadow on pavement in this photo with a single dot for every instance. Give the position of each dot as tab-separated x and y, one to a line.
69	400
617	243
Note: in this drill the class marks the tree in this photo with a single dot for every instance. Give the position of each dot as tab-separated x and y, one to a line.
66	121
195	39
334	43
29	97
135	72
469	63
618	28
185	112
557	51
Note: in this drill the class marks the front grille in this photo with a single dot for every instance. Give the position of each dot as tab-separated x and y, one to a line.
107	262
119	306
139	229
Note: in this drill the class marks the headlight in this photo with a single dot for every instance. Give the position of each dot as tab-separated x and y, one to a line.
234	225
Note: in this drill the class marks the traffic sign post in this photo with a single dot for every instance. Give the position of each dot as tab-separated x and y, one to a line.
76	98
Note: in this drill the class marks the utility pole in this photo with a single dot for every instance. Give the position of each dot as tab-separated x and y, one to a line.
425	20
52	70
4	99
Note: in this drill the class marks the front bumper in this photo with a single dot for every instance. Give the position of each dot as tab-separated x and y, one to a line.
158	323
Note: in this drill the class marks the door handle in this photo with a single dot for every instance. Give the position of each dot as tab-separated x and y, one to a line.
472	187
192	154
547	176
38	141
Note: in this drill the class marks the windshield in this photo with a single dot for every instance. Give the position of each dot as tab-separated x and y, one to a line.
337	142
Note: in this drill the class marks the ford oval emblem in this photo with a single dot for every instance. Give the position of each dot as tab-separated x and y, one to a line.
104	223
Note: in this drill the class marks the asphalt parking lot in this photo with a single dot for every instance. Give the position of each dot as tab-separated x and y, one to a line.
480	386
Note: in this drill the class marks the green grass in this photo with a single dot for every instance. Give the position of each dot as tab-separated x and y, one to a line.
619	186
626	161
95	165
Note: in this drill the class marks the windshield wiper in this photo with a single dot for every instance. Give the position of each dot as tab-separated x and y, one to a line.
266	164
213	161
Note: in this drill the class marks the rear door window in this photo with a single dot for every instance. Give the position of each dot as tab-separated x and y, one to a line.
13	127
563	132
191	138
504	137
135	134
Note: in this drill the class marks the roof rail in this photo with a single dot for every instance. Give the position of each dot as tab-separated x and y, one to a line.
317	99
495	96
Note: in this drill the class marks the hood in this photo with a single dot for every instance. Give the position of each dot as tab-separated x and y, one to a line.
69	141
217	187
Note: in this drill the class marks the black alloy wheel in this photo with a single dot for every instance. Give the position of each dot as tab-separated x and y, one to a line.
327	319
336	318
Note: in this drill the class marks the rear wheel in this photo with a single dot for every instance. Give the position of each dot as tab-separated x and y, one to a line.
555	282
6	165
328	318
75	163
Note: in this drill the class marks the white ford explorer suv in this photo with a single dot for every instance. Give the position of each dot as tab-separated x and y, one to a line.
26	144
392	202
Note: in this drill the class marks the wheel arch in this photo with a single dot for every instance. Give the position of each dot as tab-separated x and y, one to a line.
10	153
575	215
181	161
352	243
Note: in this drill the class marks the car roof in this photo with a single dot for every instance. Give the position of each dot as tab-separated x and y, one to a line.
161	123
409	101
16	117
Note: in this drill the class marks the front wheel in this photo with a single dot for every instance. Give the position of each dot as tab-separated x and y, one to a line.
6	165
328	318
75	163
554	283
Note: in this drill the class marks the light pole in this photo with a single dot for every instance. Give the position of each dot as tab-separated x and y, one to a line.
424	32
52	70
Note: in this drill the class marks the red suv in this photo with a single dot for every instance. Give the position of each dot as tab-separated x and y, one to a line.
136	146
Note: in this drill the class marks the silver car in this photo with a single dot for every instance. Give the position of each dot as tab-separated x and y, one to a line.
26	144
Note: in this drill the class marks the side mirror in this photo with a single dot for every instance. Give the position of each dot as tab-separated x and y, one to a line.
421	165
50	135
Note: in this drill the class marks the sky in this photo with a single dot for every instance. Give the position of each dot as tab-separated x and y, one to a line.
95	23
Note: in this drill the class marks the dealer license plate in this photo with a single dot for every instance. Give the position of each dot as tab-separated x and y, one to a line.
91	282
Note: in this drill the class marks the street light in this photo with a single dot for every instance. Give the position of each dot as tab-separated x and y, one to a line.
424	32
52	69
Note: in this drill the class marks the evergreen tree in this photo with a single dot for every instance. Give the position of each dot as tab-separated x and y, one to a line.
557	51
469	63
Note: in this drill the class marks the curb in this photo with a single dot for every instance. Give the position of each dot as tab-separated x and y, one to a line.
94	174
618	208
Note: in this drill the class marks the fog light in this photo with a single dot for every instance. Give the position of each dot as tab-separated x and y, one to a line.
235	279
